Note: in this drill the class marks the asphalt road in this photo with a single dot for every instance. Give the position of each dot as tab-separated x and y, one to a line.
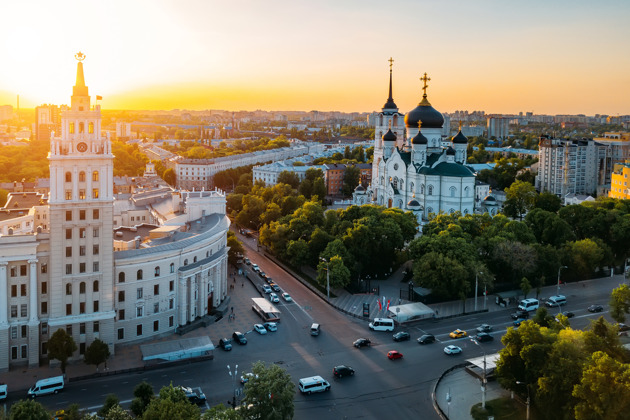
381	388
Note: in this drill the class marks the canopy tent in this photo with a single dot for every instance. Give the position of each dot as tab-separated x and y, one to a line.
171	350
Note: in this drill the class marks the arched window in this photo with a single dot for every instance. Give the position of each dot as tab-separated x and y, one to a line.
451	211
429	210
82	287
157	271
71	127
381	120
466	192
95	286
401	184
186	261
465	211
95	176
172	267
68	177
121	277
81	176
422	189
81	127
395	182
382	180
139	275
411	186
453	190
400	204
68	288
207	254
430	189
194	259
395	121
91	128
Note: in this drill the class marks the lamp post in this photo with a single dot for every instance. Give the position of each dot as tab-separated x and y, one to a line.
327	277
477	286
527	387
483	381
233	376
559	269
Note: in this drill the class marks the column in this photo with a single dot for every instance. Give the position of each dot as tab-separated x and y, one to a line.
4	304
33	293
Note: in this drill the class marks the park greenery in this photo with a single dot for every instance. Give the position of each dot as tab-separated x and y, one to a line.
194	149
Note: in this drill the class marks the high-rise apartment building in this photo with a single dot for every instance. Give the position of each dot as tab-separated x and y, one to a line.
47	120
620	181
498	128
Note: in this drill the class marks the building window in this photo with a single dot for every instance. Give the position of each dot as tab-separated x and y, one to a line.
82	214
14	290
44	287
195	259
157	271
95	286
96	327
82	267
81	176
22	270
156	325
139	275
68	194
95	306
82	250
68	215
44	308
156	289
171	285
95	214
121	314
121	296
44	268
71	127
68	308
82	196
95	267
121	277
68	177
186	262
95	250
95	233
95	193
172	267
68	289
139	293
13	272
44	348
82	288
139	330
22	289
121	333
68	251
139	311
23	310
82	328
81	127
68	233
171	303
91	128
82	233
13	311
95	176
170	321
44	328
156	308
24	331
430	190
14	333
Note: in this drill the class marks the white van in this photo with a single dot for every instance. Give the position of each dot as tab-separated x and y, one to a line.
528	305
382	324
313	384
3	392
46	386
315	329
557	300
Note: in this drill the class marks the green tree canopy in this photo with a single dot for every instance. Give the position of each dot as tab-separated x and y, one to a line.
520	198
171	403
60	347
96	353
28	409
269	395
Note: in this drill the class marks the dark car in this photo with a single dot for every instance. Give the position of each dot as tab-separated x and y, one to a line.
483	337
595	308
194	395
343	370
623	327
247	261
484	328
362	342
262	274
518	322
520	314
401	336
426	339
275	287
239	337
225	344
568	314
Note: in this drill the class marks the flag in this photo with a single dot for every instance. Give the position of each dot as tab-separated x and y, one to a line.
99	98
383	301
387	305
380	307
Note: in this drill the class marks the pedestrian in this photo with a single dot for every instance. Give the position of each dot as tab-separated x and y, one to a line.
242	284
232	309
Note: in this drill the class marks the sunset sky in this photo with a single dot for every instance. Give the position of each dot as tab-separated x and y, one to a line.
549	57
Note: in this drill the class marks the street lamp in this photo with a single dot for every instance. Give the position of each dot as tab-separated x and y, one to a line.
327	277
527	387
559	269
476	286
483	381
233	376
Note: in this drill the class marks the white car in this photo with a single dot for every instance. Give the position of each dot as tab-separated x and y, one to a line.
255	267
266	289
247	377
287	297
452	349
260	329
274	298
271	326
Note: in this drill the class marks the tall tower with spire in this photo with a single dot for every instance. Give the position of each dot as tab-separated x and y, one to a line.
81	222
388	119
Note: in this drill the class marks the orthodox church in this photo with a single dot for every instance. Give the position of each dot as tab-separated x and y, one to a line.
414	167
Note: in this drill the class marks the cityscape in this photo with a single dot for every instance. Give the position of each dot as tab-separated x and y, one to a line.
355	229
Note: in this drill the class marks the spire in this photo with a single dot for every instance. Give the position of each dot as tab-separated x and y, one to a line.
390	104
79	87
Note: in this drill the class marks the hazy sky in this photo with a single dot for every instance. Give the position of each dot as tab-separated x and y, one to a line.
551	56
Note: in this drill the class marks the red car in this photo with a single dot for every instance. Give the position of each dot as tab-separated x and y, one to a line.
393	354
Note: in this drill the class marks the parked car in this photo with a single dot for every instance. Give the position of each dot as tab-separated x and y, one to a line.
194	395
271	326
458	333
483	337
239	337
484	328
260	329
287	297
595	308
274	298
394	354
426	339
343	370
362	342
255	268
247	261
401	336
452	349
520	315
225	344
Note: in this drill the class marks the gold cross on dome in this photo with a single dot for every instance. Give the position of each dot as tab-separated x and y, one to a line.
391	62
425	79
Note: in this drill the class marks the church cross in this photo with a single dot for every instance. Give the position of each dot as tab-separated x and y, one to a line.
425	79
391	63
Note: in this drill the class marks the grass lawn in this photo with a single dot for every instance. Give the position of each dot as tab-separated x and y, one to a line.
502	409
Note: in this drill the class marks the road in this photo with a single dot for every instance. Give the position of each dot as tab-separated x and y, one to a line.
381	388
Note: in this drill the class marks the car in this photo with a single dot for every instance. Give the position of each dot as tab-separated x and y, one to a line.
568	314
275	287
401	336
247	377
484	328
394	354
260	329
518	322
269	280
262	274
274	298
225	344
458	334
557	300
239	337
194	395
287	297
362	342
520	315
343	370
271	326
452	349
482	337
426	339
247	261
623	327
255	268
595	308
266	289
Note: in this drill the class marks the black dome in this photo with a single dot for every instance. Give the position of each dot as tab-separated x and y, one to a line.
450	151
390	104
389	136
426	114
419	139
359	188
413	203
460	138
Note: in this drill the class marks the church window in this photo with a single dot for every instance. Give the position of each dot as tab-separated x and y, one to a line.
466	192
411	186
68	177
453	190
81	176
95	176
395	182
91	128
395	122
382	180
172	268
451	211
157	271
429	210
186	262
71	127
121	277
81	127
422	189
430	190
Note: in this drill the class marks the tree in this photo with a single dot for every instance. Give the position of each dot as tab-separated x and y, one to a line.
339	275
298	252
110	401
351	179
96	353
169	177
290	178
548	201
116	413
60	347
143	393
3	197
526	287
584	256
171	403
319	189
269	394
28	409
520	198
73	412
221	412
620	303
236	248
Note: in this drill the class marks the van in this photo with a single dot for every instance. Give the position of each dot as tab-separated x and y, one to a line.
315	329
46	386
313	384
3	392
528	304
557	300
382	324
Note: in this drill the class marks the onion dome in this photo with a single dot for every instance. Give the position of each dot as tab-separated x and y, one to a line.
389	136
450	151
359	189
460	138
424	113
419	139
413	204
490	200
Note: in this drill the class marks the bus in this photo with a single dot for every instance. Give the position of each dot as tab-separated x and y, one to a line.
265	310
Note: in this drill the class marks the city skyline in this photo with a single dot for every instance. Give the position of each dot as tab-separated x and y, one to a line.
547	58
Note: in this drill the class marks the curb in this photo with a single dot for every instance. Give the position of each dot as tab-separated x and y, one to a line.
436	406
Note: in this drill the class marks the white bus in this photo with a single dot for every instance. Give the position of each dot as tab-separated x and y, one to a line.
265	310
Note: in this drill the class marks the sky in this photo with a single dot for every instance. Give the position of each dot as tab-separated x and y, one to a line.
546	57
